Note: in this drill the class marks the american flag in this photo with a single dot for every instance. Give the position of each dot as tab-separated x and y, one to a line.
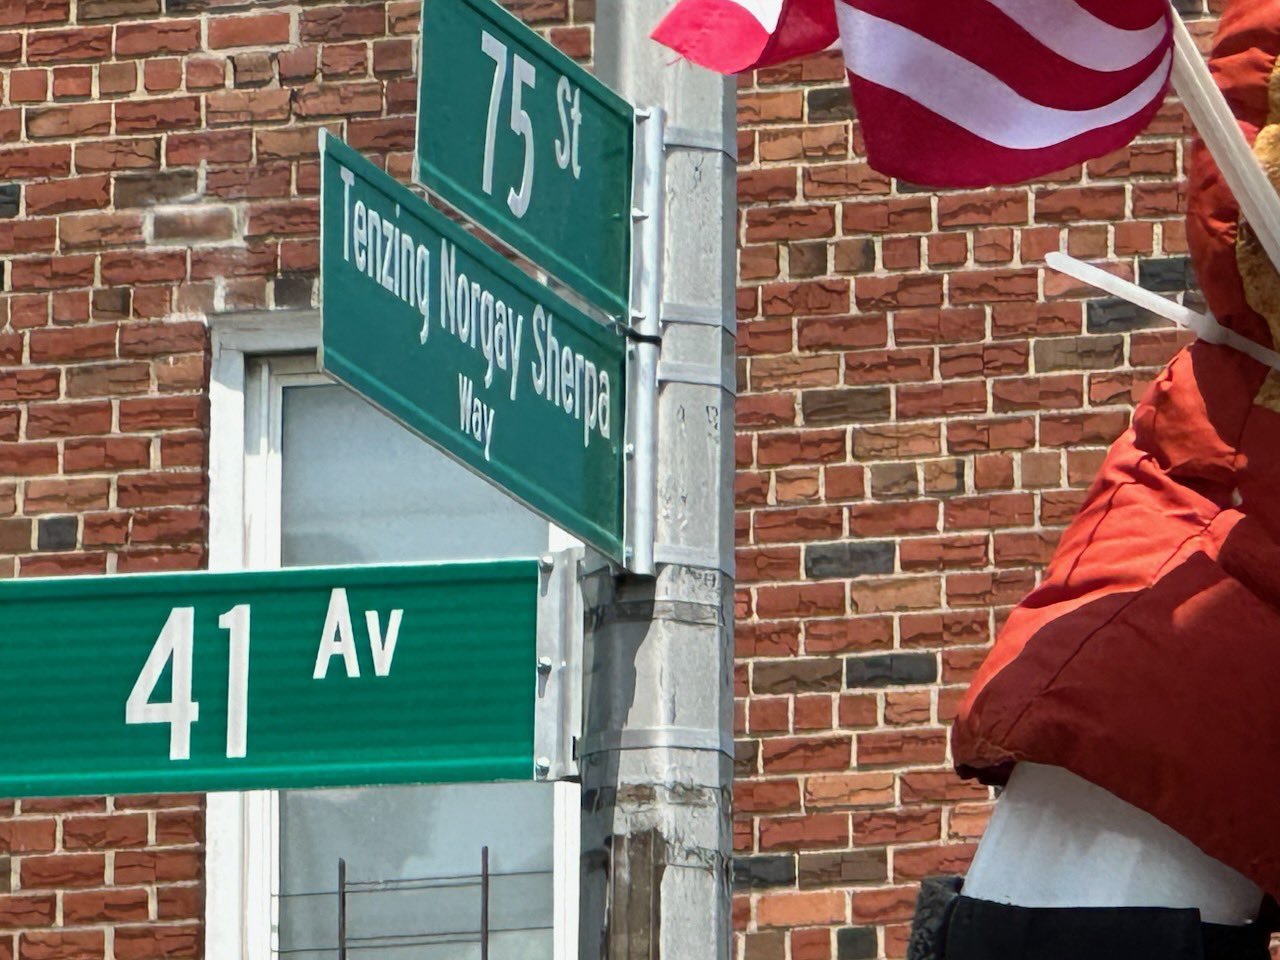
959	93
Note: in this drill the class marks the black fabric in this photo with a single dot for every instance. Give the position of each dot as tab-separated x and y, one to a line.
982	930
933	910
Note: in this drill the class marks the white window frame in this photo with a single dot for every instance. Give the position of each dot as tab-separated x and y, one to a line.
256	355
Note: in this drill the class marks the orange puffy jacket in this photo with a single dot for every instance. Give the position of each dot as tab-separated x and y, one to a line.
1148	660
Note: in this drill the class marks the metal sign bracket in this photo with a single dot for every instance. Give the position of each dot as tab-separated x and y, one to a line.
557	712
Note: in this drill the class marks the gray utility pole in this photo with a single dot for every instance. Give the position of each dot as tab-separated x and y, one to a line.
656	756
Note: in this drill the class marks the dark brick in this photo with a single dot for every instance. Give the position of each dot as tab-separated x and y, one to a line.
145	190
830	103
849	559
753	873
1113	315
848	405
808	259
803	675
1079	353
1166	274
294	291
856	943
56	533
890	669
843	869
10	193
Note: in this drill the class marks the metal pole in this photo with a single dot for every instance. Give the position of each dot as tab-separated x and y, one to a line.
657	752
342	909
484	903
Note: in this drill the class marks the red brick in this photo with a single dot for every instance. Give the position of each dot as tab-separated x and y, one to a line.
58	46
343	22
155	866
68	419
800	909
802	754
62	196
98	833
160	489
144	942
168	113
916	863
63	495
105	906
248	31
28	835
814	831
62	870
146	39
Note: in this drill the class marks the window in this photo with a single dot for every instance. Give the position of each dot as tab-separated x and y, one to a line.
304	472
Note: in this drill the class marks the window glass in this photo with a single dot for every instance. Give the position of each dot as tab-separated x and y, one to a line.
359	488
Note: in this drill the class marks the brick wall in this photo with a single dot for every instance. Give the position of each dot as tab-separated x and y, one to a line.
922	407
157	165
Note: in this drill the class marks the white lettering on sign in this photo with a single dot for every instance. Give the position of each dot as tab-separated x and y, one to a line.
337	638
236	622
383	650
479	319
568	379
523	74
386	253
175	648
568	99
475	417
174	643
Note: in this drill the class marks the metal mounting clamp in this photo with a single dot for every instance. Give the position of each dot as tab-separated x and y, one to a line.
557	666
690	139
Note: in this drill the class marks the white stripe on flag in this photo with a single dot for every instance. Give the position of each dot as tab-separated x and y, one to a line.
955	89
767	12
1072	32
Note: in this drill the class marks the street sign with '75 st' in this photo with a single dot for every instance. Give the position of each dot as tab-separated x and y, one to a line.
528	144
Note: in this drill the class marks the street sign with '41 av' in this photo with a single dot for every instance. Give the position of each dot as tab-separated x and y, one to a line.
528	144
274	679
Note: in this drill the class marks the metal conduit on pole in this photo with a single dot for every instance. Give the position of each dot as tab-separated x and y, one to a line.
656	755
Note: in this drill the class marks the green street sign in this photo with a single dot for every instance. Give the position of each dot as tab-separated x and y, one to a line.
291	678
528	144
468	351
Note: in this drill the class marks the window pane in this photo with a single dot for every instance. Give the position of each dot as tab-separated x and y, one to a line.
359	488
413	863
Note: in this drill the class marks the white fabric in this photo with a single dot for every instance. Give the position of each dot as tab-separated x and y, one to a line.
1056	840
767	12
895	57
1076	34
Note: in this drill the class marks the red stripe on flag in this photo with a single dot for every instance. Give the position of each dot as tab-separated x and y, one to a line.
979	33
722	36
907	141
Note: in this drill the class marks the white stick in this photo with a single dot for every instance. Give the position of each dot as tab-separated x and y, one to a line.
1205	327
1217	126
